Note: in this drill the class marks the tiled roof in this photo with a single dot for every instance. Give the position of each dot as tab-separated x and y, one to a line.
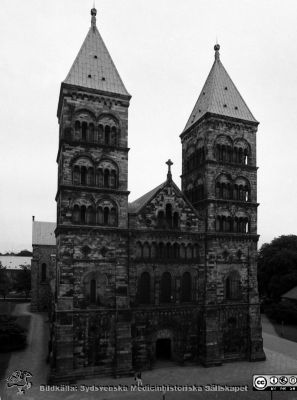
137	204
93	67
43	233
291	294
220	96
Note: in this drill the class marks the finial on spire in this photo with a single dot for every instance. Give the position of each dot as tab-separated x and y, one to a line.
169	163
217	53
93	19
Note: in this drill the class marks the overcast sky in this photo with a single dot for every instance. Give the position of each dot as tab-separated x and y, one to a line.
163	50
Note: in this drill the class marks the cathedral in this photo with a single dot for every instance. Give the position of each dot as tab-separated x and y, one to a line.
172	275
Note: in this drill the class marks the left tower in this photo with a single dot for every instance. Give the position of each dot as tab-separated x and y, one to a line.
91	320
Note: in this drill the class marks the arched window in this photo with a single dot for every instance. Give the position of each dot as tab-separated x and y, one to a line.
113	136
169	215
161	219
76	175
107	135
100	177
43	272
196	252
138	250
161	251
90	176
146	250
186	287
176	251
76	214
175	220
93	294
113	179
165	288
105	216
168	251
100	133
77	129
189	252
144	288
83	175
106	178
90	216
113	217
83	214
91	133
182	251
100	216
232	286
154	250
84	131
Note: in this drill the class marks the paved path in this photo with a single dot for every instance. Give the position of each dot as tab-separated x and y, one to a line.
33	357
281	358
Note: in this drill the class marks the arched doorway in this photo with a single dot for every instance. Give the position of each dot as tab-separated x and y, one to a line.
163	349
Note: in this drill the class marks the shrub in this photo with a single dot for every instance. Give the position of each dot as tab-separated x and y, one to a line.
12	336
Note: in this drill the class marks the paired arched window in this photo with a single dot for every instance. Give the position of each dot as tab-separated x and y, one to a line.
186	287
228	190
195	191
43	272
230	224
232	286
167	252
83	172
168	219
237	152
107	213
144	288
93	290
165	289
106	132
194	157
107	174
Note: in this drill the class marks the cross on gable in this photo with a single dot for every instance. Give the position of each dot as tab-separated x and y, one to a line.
169	163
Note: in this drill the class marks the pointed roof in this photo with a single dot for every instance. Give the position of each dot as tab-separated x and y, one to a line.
93	67
139	203
220	96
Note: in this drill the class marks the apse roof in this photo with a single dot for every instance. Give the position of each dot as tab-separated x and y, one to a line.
220	96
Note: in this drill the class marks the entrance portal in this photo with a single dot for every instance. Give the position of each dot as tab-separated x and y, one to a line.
163	349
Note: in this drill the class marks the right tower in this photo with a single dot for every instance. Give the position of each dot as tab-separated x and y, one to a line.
219	177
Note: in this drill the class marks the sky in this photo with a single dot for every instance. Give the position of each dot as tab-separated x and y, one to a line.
163	50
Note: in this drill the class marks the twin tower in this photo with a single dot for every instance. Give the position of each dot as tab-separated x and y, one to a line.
173	274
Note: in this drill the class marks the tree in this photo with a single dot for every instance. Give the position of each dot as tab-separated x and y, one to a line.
23	279
25	253
277	266
5	283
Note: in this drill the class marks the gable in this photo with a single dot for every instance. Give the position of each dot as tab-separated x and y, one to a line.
167	208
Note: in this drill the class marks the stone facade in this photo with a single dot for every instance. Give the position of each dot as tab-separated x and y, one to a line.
43	265
171	275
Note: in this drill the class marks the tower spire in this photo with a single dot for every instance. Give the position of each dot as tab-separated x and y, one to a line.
217	53
93	19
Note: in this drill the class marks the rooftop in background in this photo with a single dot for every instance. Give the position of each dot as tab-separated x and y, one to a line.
14	262
43	233
291	294
220	96
93	67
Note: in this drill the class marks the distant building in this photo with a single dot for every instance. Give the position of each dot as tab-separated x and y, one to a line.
290	295
43	263
13	265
